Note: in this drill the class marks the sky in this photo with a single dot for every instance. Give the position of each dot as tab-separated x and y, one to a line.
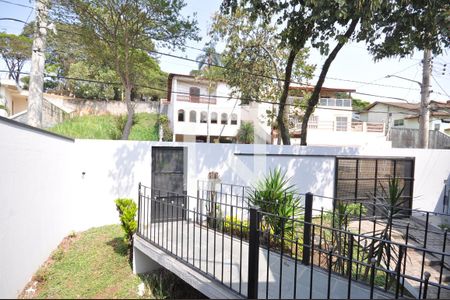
353	68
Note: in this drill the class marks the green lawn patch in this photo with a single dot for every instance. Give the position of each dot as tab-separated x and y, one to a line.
107	127
94	264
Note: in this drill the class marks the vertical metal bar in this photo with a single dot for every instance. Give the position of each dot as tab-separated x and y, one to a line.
442	264
425	288
356	178
311	275
139	209
231	245
207	237
330	262
171	223
350	265
307	228
240	247
423	251
177	210
372	276
295	268
200	225
194	220
183	213
359	236
321	229
215	231
283	223
406	256
268	265
187	228
167	220
253	254
223	239
399	270
159	217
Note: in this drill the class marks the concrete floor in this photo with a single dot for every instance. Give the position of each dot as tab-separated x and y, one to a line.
226	260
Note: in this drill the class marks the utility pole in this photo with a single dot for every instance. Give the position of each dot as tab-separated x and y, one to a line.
424	117
36	87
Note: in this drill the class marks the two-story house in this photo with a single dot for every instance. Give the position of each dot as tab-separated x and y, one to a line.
200	110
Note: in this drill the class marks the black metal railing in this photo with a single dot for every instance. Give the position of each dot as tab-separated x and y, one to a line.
321	254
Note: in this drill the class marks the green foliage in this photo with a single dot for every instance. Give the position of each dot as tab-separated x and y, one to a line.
127	212
235	225
91	90
136	25
164	121
108	127
3	107
15	51
274	195
359	105
246	133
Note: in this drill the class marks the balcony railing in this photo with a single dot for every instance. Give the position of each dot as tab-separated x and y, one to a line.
197	99
370	127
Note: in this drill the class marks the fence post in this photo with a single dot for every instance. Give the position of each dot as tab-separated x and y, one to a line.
139	209
307	229
253	254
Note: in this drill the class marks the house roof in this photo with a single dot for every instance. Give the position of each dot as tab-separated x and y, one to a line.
411	106
323	89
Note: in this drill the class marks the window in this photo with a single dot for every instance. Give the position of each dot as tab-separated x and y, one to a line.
399	122
224	119
313	122
437	127
323	102
331	102
233	119
347	103
193	116
203	117
181	115
339	102
194	94
341	123
213	118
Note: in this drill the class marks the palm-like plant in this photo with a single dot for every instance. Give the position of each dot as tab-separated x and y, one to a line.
246	133
209	57
275	196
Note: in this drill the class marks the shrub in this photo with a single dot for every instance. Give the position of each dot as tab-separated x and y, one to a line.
127	212
275	196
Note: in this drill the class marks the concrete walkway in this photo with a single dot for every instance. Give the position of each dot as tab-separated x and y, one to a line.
224	259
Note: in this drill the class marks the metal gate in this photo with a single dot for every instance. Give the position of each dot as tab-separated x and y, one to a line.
168	183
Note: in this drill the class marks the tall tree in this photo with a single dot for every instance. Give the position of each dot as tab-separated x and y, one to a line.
318	22
15	51
255	60
116	33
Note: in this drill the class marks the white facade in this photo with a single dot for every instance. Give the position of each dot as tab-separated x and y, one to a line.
50	186
404	116
198	109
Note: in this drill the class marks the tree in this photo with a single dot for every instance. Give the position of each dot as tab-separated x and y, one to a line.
255	60
246	133
15	51
116	33
320	23
359	105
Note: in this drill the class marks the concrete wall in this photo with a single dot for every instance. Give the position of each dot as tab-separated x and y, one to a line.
409	138
45	195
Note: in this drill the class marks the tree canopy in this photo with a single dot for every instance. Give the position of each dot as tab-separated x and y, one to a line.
116	33
15	51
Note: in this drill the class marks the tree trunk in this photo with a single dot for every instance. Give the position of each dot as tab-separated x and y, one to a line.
312	102
130	109
283	130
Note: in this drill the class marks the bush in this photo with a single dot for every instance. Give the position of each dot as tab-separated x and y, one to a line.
127	212
275	196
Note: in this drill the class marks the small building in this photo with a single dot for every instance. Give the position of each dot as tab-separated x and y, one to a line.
406	115
12	98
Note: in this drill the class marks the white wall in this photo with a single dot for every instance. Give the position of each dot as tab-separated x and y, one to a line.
44	195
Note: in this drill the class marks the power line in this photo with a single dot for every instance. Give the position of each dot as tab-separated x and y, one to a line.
440	86
16	4
201	95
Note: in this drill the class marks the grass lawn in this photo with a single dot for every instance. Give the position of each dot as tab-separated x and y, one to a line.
107	127
94	264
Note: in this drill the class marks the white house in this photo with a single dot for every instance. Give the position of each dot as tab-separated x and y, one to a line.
198	109
12	98
406	115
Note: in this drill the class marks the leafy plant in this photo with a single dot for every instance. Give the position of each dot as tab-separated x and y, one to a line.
246	133
127	212
276	197
167	134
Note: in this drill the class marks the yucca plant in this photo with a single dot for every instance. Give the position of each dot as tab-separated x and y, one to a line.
275	196
391	206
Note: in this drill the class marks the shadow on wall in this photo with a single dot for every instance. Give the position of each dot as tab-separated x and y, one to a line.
128	158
